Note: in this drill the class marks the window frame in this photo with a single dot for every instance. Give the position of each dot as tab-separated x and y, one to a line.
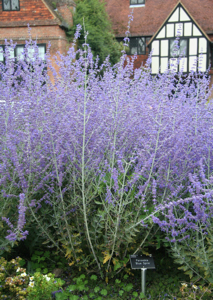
147	38
3	47
137	4
138	47
19	46
10	6
30	66
181	39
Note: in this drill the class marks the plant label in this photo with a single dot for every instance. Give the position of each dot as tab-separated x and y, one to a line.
139	262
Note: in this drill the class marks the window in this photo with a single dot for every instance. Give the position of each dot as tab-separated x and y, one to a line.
137	45
119	40
182	50
20	49
11	51
10	5
18	54
137	2
1	54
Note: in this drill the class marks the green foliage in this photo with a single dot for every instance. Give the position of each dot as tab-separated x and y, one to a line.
8	209
162	283
195	255
16	284
100	38
126	241
12	284
43	286
54	5
44	262
192	291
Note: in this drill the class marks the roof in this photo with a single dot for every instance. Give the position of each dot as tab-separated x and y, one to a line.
148	19
35	13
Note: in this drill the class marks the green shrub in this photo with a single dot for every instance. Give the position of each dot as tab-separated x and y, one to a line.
16	284
195	255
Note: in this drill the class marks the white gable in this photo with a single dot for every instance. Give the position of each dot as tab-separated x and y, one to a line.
202	45
161	34
175	16
183	15
196	31
169	30
179	28
188	29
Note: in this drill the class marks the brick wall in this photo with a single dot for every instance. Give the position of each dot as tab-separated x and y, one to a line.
141	59
36	31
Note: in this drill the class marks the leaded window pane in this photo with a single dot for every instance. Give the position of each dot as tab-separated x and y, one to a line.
141	45
41	51
133	46
11	52
133	50
10	4
1	54
15	4
6	4
31	53
182	49
19	52
132	2
173	49
137	46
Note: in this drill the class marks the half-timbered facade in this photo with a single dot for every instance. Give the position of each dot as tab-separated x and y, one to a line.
155	26
193	44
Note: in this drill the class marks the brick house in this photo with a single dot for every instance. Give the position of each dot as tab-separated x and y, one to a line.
48	22
155	26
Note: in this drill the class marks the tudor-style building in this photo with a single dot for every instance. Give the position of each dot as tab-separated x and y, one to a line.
193	43
154	28
48	21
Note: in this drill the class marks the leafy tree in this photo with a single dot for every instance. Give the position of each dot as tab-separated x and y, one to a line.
96	21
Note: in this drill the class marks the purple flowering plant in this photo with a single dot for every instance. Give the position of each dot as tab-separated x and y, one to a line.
102	155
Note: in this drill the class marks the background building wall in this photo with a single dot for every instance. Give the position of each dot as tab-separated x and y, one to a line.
43	34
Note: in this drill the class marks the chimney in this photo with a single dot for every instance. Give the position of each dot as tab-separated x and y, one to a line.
65	9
